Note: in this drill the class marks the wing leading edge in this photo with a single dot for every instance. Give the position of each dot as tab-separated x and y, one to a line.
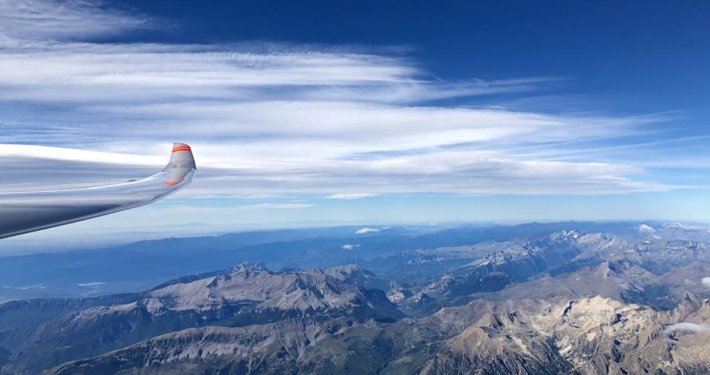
25	212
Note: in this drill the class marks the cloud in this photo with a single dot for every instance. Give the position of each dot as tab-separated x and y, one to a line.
645	228
705	281
366	230
91	284
58	20
278	119
686	326
351	196
277	206
75	155
349	246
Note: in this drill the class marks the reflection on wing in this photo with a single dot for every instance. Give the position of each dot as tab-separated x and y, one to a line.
25	212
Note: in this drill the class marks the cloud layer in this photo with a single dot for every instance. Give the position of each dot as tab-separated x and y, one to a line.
342	123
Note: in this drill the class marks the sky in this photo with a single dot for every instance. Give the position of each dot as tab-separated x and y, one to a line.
329	113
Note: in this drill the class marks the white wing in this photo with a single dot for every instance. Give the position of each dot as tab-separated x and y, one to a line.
25	212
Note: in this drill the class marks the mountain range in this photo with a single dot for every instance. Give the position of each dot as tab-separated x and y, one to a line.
586	298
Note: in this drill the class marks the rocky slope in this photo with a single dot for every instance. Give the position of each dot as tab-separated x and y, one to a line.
561	302
504	266
242	296
593	335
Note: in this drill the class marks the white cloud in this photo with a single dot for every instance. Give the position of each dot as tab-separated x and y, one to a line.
91	284
57	20
366	230
75	155
351	196
277	119
705	281
277	206
349	246
645	228
686	326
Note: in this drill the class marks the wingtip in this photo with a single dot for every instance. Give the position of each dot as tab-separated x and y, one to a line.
179	147
181	156
181	164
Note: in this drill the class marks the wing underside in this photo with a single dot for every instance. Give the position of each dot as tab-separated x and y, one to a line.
25	212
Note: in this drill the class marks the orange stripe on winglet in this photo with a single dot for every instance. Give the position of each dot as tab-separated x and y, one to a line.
181	148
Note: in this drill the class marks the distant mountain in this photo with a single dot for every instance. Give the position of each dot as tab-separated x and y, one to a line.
549	298
249	294
502	266
655	272
408	253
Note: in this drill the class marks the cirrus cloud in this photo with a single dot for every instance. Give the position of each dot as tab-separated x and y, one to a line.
279	119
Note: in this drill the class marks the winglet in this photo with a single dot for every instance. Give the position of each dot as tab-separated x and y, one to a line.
181	163
181	157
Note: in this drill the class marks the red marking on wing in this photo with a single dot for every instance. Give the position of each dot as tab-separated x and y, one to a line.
181	148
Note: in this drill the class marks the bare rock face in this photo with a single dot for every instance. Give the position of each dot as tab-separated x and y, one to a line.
302	292
244	295
273	347
519	262
356	275
592	335
340	346
498	344
563	302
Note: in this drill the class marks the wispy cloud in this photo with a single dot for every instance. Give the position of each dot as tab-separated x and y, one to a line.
351	196
277	206
59	20
279	119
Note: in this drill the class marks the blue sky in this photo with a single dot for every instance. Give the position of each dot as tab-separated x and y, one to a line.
316	112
